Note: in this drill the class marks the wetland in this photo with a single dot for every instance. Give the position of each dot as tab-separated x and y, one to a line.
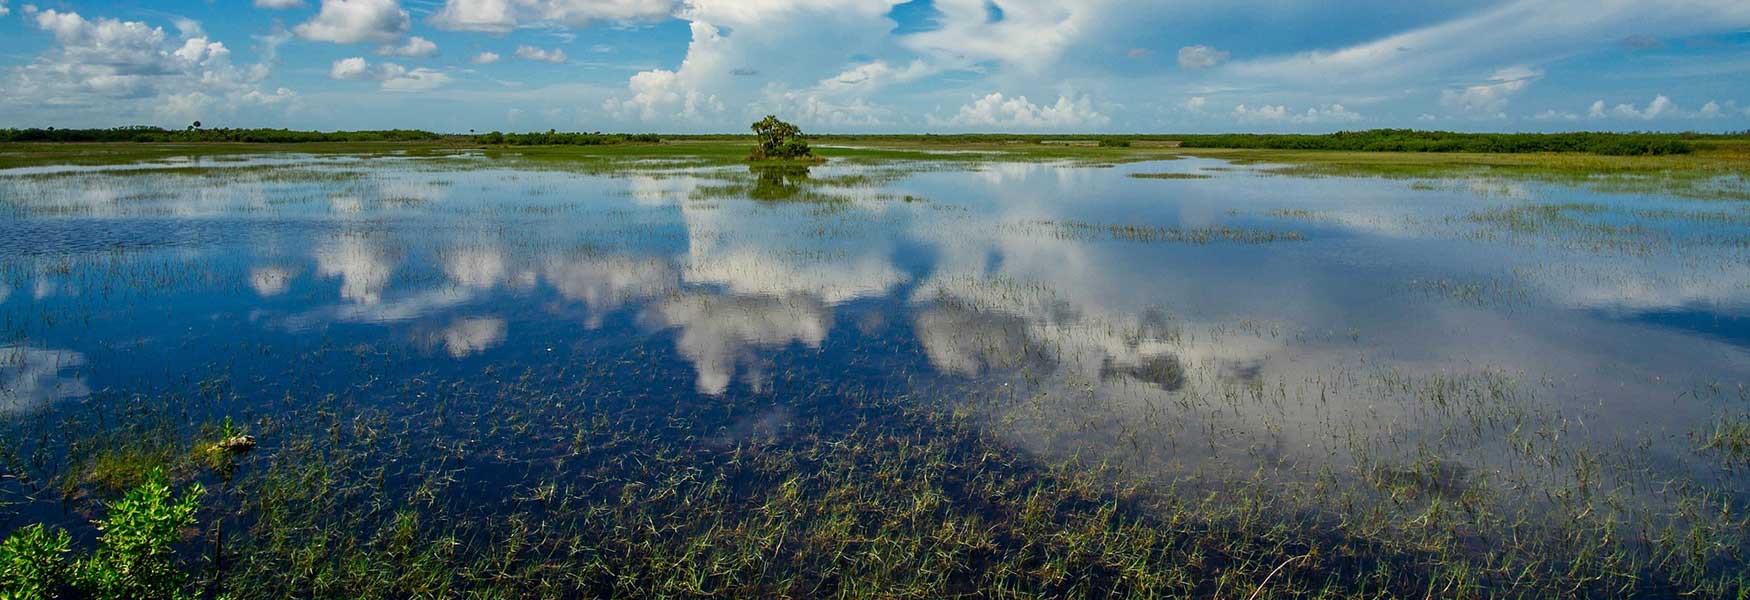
921	371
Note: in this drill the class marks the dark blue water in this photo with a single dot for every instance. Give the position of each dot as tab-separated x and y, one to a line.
1257	320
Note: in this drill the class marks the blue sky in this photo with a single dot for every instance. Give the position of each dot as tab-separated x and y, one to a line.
880	65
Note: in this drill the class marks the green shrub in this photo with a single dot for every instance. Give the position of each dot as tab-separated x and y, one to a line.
33	563
779	141
135	557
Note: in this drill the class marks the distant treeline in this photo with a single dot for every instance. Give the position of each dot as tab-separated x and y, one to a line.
554	138
1377	140
286	136
257	136
1408	140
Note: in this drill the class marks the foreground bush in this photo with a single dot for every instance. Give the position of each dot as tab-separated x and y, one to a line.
135	558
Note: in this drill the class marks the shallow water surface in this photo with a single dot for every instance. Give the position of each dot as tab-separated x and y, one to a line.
1508	346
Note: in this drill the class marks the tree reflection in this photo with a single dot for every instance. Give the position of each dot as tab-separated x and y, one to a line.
777	182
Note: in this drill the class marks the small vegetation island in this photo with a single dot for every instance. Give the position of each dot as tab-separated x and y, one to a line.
265	363
777	141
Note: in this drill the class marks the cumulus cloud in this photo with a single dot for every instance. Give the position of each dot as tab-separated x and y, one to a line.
414	47
997	111
1662	106
485	58
279	4
1031	36
1658	107
107	68
1201	57
780	40
556	55
1491	98
3	10
354	21
1328	113
397	78
842	100
350	68
501	16
394	77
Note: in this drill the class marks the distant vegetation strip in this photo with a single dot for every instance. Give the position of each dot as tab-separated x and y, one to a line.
1407	140
286	136
1376	140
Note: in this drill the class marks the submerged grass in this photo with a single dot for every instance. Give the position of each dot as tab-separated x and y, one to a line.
1171	176
1716	171
562	480
1131	232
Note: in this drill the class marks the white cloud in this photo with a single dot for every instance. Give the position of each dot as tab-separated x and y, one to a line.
485	58
1196	103
556	55
1329	113
997	111
1032	36
1596	111
1517	31
740	47
3	10
397	78
501	16
1660	106
394	77
414	47
354	21
1491	98
107	69
279	4
841	100
651	89
1201	57
1715	109
350	68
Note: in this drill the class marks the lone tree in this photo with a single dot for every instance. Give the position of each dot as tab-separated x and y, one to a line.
779	141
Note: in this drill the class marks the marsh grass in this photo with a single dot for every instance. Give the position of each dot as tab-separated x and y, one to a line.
1713	173
1729	438
1171	176
1129	232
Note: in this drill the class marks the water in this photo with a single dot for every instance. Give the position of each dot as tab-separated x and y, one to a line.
1240	331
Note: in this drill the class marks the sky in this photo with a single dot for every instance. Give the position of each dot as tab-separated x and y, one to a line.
851	66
